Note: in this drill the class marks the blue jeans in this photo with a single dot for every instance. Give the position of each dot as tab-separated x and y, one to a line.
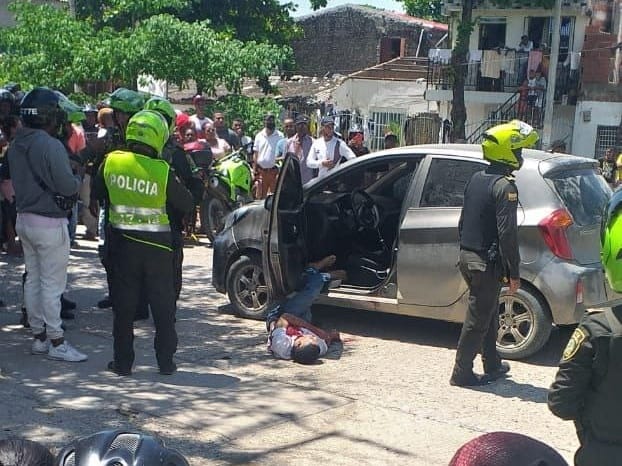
300	303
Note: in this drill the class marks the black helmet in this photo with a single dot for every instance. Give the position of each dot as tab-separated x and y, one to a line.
40	108
7	96
119	448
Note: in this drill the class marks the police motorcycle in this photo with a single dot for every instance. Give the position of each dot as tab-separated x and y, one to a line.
227	186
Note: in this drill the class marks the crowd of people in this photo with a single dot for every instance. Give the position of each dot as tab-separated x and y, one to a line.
136	187
131	163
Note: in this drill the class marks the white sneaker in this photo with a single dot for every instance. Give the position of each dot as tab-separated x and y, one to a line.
66	352
40	347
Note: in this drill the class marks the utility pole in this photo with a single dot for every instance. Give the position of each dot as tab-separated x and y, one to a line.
618	60
547	130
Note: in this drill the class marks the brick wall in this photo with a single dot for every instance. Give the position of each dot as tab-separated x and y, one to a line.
346	39
600	35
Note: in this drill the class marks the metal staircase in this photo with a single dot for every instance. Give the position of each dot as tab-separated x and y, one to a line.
507	111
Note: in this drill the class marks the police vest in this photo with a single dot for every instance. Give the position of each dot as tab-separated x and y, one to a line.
479	217
137	190
602	415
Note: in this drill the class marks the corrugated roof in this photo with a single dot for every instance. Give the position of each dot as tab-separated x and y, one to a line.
398	69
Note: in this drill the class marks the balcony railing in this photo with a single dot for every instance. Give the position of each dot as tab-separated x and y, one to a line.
512	73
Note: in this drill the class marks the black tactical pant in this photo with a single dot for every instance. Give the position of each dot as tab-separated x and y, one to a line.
479	331
140	269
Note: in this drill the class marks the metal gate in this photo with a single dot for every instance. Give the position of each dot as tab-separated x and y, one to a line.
383	121
423	128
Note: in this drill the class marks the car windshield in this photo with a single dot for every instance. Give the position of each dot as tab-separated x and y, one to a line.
584	193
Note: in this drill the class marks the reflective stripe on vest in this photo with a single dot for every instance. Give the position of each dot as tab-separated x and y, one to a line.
137	190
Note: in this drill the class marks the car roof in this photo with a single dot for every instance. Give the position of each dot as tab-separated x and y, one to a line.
474	151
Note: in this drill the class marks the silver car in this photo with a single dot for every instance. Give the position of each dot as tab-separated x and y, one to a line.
391	218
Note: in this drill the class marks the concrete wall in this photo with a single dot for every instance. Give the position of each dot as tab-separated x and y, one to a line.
362	94
516	25
347	39
602	113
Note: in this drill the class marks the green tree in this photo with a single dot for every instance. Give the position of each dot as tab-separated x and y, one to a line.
458	63
75	50
428	9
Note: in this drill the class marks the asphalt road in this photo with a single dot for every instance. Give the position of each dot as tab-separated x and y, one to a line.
382	397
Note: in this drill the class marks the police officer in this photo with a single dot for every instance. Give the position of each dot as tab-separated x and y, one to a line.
587	385
176	157
124	103
489	249
139	189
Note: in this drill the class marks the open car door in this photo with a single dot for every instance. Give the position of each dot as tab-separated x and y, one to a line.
285	242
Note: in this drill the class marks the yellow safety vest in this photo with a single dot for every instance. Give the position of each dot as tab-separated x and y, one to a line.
137	190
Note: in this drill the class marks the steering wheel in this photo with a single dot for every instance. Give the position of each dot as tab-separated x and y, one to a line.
366	213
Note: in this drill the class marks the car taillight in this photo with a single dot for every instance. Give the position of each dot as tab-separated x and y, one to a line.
579	291
553	228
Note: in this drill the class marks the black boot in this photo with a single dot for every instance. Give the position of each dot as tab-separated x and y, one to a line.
66	304
468	379
105	303
24	319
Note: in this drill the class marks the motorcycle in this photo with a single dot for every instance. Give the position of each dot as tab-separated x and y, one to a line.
228	185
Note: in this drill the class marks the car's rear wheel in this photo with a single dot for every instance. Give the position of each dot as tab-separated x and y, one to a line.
247	289
524	324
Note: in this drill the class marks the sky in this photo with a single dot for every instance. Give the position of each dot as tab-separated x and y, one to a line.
305	9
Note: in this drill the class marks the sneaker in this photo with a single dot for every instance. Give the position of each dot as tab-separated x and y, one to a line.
66	352
40	347
105	303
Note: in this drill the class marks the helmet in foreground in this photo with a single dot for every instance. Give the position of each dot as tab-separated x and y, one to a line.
611	241
504	143
164	108
74	111
149	128
41	109
119	448
126	101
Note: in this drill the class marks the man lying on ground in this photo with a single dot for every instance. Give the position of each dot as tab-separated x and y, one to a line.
292	336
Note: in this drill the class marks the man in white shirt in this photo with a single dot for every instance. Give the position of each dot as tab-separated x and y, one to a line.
327	151
199	118
264	158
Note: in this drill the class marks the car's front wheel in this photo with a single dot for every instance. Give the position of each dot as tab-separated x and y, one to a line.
246	287
524	324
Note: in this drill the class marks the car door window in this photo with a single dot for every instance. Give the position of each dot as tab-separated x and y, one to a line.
446	180
361	177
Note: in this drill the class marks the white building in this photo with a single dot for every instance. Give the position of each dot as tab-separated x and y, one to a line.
497	69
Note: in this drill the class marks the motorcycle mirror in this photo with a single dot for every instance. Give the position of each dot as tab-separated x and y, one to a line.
268	202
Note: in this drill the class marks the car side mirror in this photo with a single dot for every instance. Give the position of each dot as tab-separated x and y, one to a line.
267	204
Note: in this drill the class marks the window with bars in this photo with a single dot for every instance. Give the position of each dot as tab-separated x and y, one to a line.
605	138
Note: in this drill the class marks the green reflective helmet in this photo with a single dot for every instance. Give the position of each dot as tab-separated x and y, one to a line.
504	143
126	101
74	111
164	108
611	241
148	127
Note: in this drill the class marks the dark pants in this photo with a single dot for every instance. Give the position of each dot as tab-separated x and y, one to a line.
479	331
148	270
178	260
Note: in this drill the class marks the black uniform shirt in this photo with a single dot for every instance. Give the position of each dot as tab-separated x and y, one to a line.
506	195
